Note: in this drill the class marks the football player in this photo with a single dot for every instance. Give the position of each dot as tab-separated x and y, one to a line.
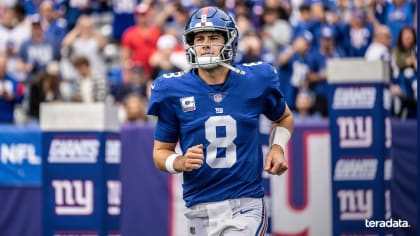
213	110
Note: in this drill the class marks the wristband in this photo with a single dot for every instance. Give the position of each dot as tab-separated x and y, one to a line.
169	163
280	136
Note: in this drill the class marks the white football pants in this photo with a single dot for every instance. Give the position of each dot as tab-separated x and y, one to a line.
236	217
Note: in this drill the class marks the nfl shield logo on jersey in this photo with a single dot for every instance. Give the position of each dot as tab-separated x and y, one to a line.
188	104
217	97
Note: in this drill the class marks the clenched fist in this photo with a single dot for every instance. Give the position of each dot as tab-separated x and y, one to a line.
191	160
275	162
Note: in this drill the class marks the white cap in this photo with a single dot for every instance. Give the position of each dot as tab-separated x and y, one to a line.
167	41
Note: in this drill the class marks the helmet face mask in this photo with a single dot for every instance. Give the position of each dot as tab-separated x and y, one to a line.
208	61
210	19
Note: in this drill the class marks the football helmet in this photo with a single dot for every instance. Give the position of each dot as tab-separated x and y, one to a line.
210	19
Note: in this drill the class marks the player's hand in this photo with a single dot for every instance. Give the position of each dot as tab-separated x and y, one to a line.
192	159
275	162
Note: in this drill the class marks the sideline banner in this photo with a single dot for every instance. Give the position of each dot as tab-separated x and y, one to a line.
146	206
81	184
20	180
20	213
20	156
404	174
359	104
81	158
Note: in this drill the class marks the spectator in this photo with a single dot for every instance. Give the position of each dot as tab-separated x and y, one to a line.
303	21
22	27
138	83
251	49
123	17
13	62
252	10
177	25
305	101
37	52
161	60
379	48
88	88
343	10
242	7
244	25
8	30
135	107
294	16
276	31
284	8
405	51
31	6
397	14
358	35
316	79
139	42
405	56
318	21
293	67
84	40
72	10
45	88
55	28
11	93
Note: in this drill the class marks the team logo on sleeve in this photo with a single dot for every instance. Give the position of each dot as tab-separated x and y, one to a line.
188	104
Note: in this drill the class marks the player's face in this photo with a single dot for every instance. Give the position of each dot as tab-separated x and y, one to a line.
208	43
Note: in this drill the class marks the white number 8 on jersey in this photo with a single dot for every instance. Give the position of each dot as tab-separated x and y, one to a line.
221	142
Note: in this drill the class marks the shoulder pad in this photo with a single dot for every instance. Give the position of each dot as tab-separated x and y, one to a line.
261	66
250	64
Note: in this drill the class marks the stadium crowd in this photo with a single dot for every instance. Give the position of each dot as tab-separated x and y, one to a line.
110	51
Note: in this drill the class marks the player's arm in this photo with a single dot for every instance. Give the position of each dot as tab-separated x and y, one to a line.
281	131
166	159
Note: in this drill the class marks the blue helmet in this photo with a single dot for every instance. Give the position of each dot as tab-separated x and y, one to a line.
211	19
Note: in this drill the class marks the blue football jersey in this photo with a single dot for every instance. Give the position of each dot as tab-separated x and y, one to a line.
225	119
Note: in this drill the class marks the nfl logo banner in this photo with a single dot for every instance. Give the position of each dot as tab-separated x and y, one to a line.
20	156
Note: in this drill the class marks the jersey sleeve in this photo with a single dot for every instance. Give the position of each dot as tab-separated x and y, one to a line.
275	103
160	105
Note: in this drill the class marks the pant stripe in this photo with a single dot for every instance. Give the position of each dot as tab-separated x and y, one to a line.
263	226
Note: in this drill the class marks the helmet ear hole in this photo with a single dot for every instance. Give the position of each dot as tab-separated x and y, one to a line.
225	36
190	38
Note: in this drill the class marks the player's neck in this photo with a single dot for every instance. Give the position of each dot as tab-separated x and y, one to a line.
213	76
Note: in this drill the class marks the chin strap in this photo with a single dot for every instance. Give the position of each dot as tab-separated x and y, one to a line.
230	67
